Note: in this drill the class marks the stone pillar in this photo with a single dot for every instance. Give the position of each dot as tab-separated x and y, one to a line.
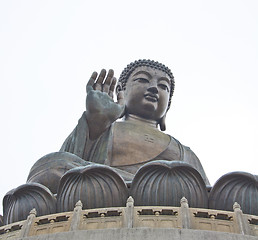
129	212
27	225
75	223
241	220
185	214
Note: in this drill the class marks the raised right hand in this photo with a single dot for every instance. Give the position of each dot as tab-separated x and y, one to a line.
101	110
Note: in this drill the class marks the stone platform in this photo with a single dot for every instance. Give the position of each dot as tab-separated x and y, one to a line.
142	234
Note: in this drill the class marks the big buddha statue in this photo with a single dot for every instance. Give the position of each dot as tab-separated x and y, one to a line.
144	93
117	149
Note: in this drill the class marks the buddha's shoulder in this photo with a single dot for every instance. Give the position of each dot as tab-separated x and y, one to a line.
182	150
176	141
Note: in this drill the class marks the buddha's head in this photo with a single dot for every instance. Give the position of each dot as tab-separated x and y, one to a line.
148	87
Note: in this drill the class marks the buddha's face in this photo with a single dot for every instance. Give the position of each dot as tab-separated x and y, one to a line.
147	93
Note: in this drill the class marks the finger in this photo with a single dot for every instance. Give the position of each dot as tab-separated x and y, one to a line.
120	98
108	80
99	82
90	83
112	87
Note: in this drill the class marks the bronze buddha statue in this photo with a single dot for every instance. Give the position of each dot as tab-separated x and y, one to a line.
144	93
117	150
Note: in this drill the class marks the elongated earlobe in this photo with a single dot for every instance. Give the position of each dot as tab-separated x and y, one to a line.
162	123
118	88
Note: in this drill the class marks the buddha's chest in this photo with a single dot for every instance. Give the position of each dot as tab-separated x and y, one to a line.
136	143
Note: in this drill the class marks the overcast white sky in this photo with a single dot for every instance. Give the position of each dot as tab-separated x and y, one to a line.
48	50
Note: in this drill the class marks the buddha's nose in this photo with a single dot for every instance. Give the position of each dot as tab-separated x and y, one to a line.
153	89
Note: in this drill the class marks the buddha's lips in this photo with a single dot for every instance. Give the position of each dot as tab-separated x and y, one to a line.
151	97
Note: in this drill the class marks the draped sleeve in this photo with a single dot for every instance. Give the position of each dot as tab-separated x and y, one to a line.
79	143
76	141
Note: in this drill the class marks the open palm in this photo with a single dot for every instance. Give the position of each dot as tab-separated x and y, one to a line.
101	110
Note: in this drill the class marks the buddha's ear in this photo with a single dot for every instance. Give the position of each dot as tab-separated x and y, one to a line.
162	123
118	87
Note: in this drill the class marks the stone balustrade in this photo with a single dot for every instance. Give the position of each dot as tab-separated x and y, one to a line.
134	217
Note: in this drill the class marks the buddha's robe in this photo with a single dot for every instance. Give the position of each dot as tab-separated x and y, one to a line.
100	151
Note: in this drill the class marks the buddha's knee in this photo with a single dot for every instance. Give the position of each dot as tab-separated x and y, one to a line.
96	185
165	183
49	169
234	187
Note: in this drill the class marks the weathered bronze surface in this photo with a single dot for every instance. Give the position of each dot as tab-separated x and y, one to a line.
96	186
117	145
20	201
144	92
49	169
234	187
172	180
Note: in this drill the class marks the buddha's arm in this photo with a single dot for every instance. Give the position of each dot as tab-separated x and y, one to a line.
192	159
76	141
101	110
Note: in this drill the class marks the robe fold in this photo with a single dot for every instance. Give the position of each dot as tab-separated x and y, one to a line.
100	150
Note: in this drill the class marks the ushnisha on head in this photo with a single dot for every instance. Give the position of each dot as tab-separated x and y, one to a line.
148	63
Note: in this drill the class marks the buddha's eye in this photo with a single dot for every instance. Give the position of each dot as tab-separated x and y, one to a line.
164	87
142	80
